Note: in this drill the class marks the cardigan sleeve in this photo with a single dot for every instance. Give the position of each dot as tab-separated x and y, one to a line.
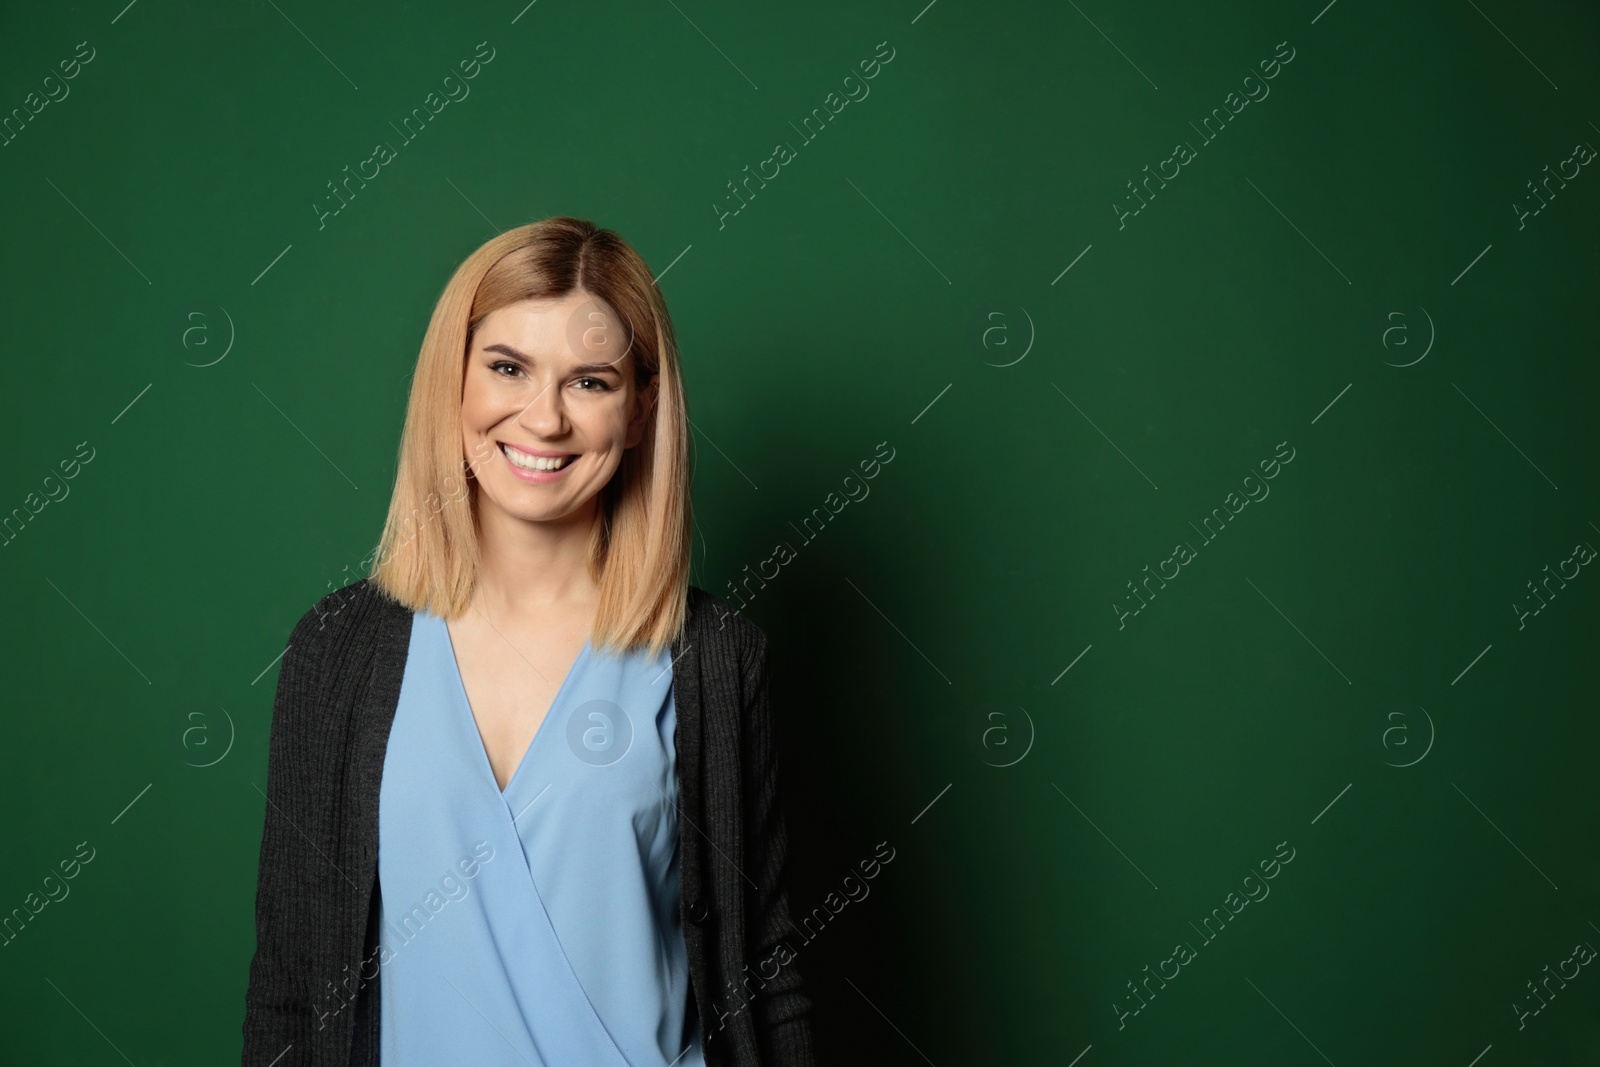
279	1025
782	1007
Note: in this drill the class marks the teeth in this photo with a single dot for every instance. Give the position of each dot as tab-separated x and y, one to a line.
535	463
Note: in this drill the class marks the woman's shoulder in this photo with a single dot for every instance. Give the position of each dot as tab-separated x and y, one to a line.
341	614
717	619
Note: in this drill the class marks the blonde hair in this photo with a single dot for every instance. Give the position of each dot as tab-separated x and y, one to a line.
427	556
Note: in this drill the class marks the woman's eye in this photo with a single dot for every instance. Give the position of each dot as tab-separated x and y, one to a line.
507	369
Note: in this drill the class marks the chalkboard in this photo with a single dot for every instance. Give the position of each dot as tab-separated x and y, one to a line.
1205	674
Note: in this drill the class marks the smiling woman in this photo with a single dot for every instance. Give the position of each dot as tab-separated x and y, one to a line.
411	720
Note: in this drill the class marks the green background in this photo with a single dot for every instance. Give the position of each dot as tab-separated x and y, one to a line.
903	280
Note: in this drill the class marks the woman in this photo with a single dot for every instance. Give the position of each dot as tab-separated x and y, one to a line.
522	792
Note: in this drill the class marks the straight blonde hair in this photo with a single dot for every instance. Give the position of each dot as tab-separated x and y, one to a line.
427	557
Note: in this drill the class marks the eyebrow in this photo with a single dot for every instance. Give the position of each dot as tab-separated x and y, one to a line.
525	360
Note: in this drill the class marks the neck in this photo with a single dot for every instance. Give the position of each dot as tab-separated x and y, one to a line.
526	568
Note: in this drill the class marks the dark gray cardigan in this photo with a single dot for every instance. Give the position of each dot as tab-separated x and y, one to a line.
313	988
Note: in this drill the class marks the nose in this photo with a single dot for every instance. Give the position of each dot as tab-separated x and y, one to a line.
545	414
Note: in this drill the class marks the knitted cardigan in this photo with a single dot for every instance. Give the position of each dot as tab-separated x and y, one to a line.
312	997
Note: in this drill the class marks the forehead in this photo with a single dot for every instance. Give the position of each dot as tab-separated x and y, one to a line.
551	314
578	324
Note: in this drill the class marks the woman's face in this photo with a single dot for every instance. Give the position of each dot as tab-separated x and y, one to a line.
550	383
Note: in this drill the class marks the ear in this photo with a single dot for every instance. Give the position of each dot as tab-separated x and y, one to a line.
644	403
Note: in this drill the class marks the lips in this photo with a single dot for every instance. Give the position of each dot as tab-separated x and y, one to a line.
538	461
535	464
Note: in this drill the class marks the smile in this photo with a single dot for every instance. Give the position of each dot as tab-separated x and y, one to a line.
541	464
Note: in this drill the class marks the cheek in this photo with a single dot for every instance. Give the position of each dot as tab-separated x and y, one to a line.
477	452
602	421
478	409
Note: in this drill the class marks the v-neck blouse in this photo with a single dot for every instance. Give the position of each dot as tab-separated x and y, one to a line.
540	924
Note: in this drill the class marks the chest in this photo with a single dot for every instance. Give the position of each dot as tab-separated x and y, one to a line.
511	681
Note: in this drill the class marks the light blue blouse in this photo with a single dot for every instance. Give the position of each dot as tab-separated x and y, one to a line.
539	925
